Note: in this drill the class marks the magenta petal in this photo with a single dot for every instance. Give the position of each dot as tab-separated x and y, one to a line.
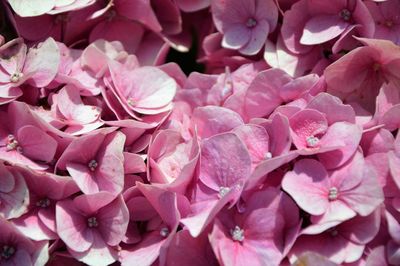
256	140
367	196
140	209
279	134
308	185
262	96
333	108
163	201
36	144
197	250
133	163
224	161
114	219
344	135
361	230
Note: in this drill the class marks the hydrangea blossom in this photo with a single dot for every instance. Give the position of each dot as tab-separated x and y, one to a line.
225	132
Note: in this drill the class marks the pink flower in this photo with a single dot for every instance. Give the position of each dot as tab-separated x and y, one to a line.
16	249
273	87
92	226
311	22
172	160
22	139
259	234
96	162
334	196
37	67
197	250
144	90
387	20
343	243
154	218
245	24
39	222
69	109
225	166
326	127
365	69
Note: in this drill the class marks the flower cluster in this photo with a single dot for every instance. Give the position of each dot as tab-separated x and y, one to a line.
285	150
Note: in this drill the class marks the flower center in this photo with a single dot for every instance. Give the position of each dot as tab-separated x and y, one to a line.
312	141
7	251
251	23
93	165
345	14
12	144
92	222
164	232
376	67
14	78
43	203
333	193
267	155
223	191
237	234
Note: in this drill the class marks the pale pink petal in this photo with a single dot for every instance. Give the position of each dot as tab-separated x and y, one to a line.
30	8
320	29
98	254
42	63
236	36
212	120
308	185
72	227
257	38
83	177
